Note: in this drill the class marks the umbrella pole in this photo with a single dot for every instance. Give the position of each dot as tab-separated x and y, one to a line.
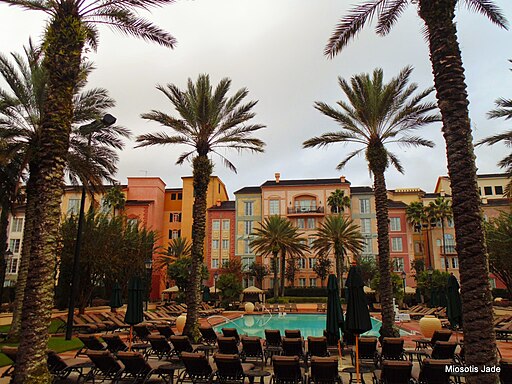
131	338
339	352
357	358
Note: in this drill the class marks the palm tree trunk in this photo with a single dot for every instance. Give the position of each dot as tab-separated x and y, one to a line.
275	255
444	247
282	271
385	287
479	337
339	271
202	171
64	41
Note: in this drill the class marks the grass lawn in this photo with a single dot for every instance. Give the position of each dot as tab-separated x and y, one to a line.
58	344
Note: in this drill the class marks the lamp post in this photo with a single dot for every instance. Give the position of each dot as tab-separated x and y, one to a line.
88	130
148	265
404	275
215	278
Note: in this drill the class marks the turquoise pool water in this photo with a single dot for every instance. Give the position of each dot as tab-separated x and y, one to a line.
309	324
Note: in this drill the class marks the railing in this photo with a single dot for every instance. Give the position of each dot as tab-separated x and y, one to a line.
447	249
305	209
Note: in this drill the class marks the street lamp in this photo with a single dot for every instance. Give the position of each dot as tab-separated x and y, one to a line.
215	278
404	275
148	265
87	129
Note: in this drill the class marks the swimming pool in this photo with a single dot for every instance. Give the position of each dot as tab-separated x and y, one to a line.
309	324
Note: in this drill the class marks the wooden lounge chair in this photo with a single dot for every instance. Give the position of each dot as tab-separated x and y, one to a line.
392	349
197	369
208	335
252	349
367	351
317	346
91	343
434	371
228	345
231	332
396	372
292	333
443	350
105	366
62	369
287	370
273	343
182	344
506	371
324	370
230	369
295	347
165	330
115	344
137	368
160	347
439	335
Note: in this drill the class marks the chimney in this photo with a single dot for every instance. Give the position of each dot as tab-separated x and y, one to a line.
342	179
218	203
442	193
277	176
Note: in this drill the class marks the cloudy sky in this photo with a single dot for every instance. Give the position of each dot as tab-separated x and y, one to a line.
274	48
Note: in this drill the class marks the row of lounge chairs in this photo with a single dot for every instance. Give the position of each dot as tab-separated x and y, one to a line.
418	311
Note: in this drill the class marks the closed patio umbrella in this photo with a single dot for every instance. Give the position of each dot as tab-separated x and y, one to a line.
334	313
134	311
115	297
454	307
358	316
206	294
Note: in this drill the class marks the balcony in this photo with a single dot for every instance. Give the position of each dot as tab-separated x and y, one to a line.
448	250
306	209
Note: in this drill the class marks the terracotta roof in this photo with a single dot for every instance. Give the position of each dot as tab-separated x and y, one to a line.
299	182
224	206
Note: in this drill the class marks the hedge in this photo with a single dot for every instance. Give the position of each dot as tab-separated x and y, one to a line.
298	300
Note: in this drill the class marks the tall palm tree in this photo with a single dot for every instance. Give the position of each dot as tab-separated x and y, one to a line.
208	122
338	201
440	210
276	236
375	115
115	199
339	235
176	248
441	32
21	129
415	213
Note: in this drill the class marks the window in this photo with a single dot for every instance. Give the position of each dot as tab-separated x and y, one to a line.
17	224
301	224
312	282
394	224
364	206
132	222
215	244
247	248
273	207
301	263
248	208
366	225
492	282
367	246
225	244
225	225
398	264
176	217
173	196
443	264
215	263
418	249
180	196
248	227
311	223
310	242
12	266
396	244
174	234
302	282
487	190
305	205
73	206
450	222
455	262
215	225
225	263
15	245
311	262
498	190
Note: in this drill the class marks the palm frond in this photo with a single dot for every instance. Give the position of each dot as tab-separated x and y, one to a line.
504	109
491	140
31	5
414	141
331	138
351	155
389	16
489	9
160	138
395	162
184	156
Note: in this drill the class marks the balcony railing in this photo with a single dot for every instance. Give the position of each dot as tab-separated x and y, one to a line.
448	250
305	209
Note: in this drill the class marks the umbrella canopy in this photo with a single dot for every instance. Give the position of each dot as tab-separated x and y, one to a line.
454	307
433	298
334	312
115	297
206	293
358	317
253	289
134	311
172	289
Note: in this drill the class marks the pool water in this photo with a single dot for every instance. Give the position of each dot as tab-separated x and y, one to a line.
309	324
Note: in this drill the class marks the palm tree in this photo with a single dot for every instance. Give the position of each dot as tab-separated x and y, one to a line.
176	248
338	201
415	213
91	161
339	235
440	210
115	199
208	122
445	56
277	235
378	114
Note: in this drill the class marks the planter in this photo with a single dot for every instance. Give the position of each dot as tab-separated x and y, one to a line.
429	324
180	323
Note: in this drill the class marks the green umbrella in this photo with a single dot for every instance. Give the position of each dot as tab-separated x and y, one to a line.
334	312
433	297
206	294
358	316
454	307
442	299
115	297
134	311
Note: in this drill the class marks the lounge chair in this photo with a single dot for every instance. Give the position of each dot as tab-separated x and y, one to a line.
91	343
367	351
106	366
252	349
115	344
137	368
208	335
506	371
197	369
317	346
294	308
287	370
181	344
273	343
434	372
439	335
287	307
392	349
393	372
159	318
292	333
295	347
117	318
231	332
321	308
109	324
160	347
230	369
228	345
324	370
62	369
11	353
78	325
142	332
165	330
443	350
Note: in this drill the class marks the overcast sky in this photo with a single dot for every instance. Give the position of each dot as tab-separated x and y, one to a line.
275	49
